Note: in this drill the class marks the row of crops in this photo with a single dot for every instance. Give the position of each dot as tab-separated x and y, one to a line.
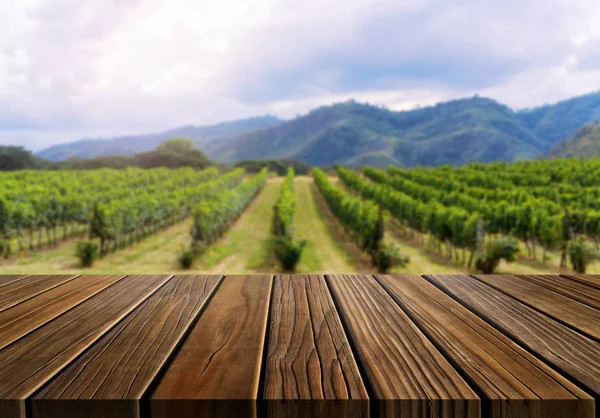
115	208
547	205
287	249
215	214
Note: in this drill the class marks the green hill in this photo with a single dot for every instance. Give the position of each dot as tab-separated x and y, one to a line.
585	143
456	132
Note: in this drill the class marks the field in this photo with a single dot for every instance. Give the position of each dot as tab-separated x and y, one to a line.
445	220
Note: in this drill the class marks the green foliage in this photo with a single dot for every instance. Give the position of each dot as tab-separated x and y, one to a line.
5	248
361	218
279	166
584	144
581	253
187	258
497	249
173	153
18	158
87	252
287	250
387	257
213	216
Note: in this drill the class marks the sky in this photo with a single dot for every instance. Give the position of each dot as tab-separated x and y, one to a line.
71	69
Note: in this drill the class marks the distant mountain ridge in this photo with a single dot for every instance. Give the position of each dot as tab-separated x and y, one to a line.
133	144
454	132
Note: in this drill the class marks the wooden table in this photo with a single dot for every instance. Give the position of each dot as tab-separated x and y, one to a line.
299	346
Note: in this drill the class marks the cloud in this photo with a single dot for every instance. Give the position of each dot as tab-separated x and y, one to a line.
70	69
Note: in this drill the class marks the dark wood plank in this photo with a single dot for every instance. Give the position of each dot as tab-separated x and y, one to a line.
6	279
28	287
409	376
216	372
515	382
34	359
118	369
589	279
23	318
310	365
574	354
566	287
564	309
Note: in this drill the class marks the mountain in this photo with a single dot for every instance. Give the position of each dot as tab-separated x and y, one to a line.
585	143
475	129
554	123
355	134
454	132
130	145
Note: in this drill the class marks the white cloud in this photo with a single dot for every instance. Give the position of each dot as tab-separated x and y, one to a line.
71	68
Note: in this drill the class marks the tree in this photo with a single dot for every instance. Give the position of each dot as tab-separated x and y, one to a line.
496	250
581	253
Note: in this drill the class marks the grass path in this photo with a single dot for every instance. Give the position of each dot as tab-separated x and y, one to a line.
323	253
155	254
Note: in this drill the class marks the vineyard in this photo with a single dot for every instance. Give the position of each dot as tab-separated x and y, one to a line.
541	216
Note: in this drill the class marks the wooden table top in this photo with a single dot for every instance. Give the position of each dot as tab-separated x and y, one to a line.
450	346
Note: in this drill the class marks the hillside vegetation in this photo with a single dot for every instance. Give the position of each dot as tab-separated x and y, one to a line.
456	132
585	143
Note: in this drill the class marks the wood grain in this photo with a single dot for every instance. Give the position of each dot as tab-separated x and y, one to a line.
117	370
23	318
34	359
6	279
25	288
589	279
309	357
566	287
515	382
572	353
407	374
216	372
564	309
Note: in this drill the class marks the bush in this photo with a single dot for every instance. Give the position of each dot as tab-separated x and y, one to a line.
5	248
187	257
289	252
581	253
496	250
387	257
87	252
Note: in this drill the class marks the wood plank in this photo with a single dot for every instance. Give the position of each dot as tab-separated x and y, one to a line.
589	279
574	354
28	287
31	361
6	279
310	369
216	372
566	310
408	375
119	368
23	318
566	287
515	382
